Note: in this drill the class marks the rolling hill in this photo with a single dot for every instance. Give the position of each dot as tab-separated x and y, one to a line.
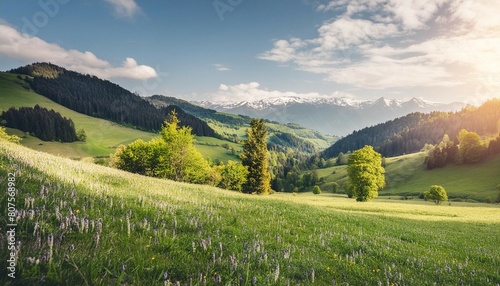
406	176
83	224
103	136
232	126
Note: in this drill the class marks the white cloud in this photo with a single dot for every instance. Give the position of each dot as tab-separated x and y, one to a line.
221	67
23	47
377	44
253	92
125	8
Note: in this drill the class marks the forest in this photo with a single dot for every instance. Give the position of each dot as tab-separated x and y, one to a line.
103	99
45	124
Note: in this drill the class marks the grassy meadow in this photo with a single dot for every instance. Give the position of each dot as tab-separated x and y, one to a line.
83	224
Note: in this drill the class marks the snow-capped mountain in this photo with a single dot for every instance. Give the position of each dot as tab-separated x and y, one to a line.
332	115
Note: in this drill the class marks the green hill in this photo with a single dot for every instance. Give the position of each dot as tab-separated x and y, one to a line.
83	224
407	176
103	136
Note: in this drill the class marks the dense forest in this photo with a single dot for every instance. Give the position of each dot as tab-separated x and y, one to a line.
408	134
45	124
103	99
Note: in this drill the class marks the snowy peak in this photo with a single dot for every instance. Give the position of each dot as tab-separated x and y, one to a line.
334	101
330	115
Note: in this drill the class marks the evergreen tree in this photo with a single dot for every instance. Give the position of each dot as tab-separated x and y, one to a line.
366	174
255	157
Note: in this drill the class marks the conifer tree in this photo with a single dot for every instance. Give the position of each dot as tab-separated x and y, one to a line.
255	157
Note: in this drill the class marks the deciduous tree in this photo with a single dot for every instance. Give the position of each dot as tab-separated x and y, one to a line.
437	194
366	174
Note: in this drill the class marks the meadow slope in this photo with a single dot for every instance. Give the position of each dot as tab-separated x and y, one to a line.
84	224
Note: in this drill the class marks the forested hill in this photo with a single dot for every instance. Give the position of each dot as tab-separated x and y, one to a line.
198	111
103	99
408	134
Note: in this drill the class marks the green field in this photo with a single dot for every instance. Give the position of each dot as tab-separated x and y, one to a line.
103	136
406	176
114	228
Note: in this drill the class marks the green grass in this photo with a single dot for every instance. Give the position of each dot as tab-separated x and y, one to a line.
103	136
199	234
406	176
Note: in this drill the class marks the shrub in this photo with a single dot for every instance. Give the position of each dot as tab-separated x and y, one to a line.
316	190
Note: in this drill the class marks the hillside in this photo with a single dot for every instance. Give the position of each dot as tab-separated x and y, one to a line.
409	134
233	126
103	99
103	136
407	176
83	224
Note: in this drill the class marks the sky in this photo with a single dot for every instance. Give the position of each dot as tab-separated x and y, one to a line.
246	50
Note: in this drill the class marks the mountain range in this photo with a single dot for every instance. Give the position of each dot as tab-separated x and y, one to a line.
335	115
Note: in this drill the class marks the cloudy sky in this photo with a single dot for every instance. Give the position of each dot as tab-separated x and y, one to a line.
438	50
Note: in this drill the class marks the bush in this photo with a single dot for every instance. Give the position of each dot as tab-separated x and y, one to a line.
316	190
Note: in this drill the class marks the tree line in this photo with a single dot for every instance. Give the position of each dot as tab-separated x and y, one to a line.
103	99
47	125
466	149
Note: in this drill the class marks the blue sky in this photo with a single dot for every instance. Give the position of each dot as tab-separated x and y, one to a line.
232	50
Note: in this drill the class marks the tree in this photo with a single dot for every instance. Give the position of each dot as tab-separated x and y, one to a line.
233	176
471	149
255	158
335	187
316	190
172	155
179	160
366	174
437	194
81	135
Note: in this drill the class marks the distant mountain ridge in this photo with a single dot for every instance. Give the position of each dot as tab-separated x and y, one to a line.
330	115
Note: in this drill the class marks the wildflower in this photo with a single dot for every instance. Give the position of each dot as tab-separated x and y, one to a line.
277	272
96	240
152	258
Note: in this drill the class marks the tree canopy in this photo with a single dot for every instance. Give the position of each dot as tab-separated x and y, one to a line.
366	174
